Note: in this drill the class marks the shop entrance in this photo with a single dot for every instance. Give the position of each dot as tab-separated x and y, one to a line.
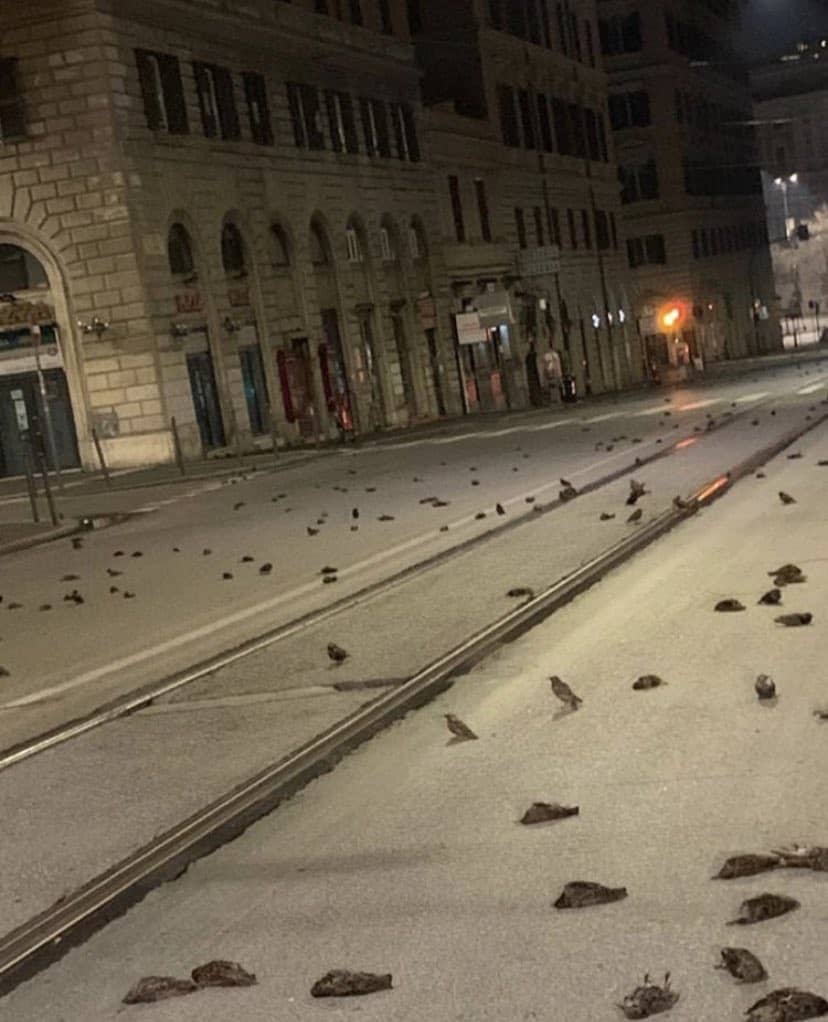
205	399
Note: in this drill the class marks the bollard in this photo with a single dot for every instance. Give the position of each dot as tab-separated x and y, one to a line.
31	486
47	489
96	440
179	457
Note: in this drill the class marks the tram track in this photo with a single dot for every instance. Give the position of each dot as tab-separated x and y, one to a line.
145	695
47	935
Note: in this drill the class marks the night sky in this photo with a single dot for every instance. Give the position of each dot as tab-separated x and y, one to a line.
772	26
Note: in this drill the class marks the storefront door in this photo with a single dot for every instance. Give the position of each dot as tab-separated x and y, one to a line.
20	403
205	399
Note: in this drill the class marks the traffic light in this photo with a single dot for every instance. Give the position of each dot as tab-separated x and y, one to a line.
671	316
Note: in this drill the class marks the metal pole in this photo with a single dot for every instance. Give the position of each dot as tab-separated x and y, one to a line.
47	489
96	440
30	479
179	457
785	206
46	411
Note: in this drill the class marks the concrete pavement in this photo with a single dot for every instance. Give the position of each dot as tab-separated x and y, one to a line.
209	735
408	857
183	609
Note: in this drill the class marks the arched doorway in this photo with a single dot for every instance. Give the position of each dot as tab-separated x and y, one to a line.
35	407
333	368
400	315
193	332
242	324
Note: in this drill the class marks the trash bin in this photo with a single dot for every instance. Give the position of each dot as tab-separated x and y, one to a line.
568	392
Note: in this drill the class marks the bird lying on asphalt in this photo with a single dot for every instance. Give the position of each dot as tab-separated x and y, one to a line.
786	498
567	493
762	907
336	653
765	687
637	490
794	620
636	515
459	729
742	965
565	693
771	598
649	999
729	605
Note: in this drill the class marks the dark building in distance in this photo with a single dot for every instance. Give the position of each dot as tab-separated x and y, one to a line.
692	206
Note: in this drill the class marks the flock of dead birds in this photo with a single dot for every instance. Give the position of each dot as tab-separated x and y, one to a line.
649	998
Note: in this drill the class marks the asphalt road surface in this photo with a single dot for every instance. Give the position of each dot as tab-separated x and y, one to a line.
68	659
408	858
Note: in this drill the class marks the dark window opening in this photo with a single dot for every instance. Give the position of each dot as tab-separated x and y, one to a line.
232	250
545	124
525	103
179	251
163	94
585	229
483	210
573	237
255	94
538	226
520	225
457	208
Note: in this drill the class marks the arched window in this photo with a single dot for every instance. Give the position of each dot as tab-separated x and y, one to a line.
180	251
416	241
388	241
355	241
319	248
279	247
232	250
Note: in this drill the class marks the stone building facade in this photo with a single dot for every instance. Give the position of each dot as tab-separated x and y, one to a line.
693	211
229	216
525	176
243	216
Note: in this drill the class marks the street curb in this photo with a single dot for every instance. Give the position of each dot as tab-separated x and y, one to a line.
32	541
48	936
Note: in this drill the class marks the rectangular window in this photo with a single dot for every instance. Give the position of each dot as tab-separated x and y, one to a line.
525	101
516	14
563	132
508	119
647	250
410	130
495	14
336	122
593	145
602	232
255	94
306	116
483	209
553	225
457	207
613	231
602	137
573	237
545	125
546	28
639	182
575	36
629	110
533	22
217	101
375	127
576	121
679	97
654	248
520	225
353	246
590	44
585	229
161	88
620	34
563	35
538	226
386	21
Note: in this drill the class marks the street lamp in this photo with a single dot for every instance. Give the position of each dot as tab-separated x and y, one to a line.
783	182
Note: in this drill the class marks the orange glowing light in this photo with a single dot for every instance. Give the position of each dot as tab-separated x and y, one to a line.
686	443
672	316
714	487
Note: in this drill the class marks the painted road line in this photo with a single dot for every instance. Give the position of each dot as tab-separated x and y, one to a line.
752	397
604	418
699	404
812	387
